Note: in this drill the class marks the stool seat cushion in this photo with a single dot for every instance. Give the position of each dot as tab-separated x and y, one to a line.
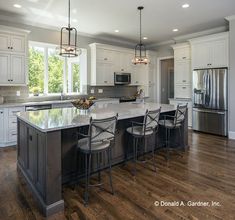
83	145
138	131
168	124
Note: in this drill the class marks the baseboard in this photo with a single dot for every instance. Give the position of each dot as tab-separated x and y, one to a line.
231	135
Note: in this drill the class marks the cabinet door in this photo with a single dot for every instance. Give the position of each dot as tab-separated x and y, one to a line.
201	55
219	53
182	54
4	42
17	69
104	55
183	73
104	74
4	68
1	125
183	91
18	43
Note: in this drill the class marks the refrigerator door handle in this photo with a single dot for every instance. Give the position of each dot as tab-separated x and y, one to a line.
209	111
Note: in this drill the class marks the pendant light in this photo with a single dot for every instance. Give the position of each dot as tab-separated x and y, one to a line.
140	49
68	40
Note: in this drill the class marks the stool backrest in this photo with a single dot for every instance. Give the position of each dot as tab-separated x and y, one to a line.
102	129
180	114
151	119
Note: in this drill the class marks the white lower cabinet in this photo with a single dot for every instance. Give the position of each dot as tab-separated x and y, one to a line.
183	101
8	125
1	125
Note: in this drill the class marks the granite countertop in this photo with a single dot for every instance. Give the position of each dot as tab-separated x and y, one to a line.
15	104
62	118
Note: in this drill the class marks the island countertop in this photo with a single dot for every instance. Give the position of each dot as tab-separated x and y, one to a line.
63	118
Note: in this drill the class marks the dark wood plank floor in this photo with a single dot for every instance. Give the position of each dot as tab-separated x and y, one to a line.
205	173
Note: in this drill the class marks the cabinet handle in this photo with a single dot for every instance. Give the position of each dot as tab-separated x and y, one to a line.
14	112
9	47
105	58
9	80
122	69
30	137
14	134
183	58
105	81
136	81
184	87
14	122
183	80
1	112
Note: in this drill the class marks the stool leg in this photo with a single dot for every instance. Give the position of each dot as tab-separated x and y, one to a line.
98	166
86	185
153	148
134	154
110	169
88	180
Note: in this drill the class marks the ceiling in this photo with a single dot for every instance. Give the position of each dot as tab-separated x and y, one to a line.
101	17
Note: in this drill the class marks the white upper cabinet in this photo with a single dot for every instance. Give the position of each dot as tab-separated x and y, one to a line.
13	56
107	59
210	51
182	71
4	42
18	43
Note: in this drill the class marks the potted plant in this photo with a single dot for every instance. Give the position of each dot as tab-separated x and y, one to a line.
35	91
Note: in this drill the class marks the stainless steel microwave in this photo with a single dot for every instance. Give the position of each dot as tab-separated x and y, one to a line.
122	78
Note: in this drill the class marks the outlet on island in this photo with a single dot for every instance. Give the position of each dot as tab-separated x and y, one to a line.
100	90
92	91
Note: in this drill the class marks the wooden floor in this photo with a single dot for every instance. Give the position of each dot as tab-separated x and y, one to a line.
205	173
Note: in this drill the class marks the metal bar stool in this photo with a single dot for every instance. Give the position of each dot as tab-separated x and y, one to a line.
100	138
172	122
141	131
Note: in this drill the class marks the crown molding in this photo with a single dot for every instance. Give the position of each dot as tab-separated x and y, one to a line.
230	18
186	37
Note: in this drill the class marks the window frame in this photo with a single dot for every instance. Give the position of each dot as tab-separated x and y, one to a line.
82	60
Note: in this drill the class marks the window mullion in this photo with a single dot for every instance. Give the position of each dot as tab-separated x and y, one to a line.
46	70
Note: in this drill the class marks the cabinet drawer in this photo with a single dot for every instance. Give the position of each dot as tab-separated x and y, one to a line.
182	54
14	111
183	91
12	135
12	123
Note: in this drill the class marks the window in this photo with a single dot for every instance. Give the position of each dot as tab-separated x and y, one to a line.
52	74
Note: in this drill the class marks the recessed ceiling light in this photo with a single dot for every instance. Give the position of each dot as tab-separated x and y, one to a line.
116	31
17	6
186	5
175	30
145	38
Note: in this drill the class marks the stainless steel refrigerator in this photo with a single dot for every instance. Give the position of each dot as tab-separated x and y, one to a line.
210	101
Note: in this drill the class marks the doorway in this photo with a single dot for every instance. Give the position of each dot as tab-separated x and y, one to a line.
167	79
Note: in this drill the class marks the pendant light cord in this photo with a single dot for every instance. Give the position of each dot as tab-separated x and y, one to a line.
69	15
140	28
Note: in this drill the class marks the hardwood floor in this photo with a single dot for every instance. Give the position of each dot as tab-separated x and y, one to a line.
205	173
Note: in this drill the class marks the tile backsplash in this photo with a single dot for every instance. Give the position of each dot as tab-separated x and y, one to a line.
10	93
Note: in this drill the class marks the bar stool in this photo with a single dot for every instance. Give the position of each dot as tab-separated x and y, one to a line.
141	131
172	122
100	138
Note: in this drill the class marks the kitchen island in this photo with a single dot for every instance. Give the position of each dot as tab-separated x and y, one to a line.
47	141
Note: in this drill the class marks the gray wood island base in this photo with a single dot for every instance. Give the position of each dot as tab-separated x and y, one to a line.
47	142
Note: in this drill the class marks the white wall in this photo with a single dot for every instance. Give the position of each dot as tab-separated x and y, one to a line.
231	80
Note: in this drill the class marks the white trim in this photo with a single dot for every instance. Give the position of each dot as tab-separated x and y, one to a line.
231	135
158	78
230	18
189	36
13	29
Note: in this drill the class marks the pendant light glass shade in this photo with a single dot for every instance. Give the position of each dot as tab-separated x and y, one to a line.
68	40
140	49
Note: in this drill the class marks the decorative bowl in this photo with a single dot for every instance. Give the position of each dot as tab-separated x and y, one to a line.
82	103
